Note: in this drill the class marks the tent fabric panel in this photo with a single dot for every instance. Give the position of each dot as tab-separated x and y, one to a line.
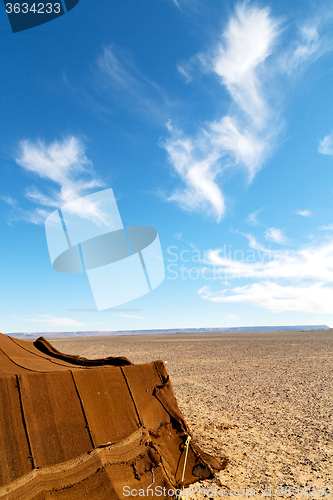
165	395
124	481
13	353
7	367
20	354
98	486
142	380
15	460
107	403
26	355
55	421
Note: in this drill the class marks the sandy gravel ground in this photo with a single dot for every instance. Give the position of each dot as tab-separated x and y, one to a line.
263	399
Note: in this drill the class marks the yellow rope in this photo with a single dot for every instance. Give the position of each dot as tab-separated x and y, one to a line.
186	445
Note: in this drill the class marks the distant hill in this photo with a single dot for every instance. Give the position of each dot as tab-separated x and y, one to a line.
239	329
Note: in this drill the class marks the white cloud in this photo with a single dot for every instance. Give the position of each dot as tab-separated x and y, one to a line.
253	243
283	280
233	317
9	200
304	213
247	42
313	262
326	145
252	67
199	175
37	216
120	74
306	49
178	236
176	4
253	217
52	320
276	235
65	164
244	136
193	4
246	147
118	77
326	228
130	316
58	161
315	298
185	70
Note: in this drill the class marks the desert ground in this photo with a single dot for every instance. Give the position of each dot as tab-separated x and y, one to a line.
264	399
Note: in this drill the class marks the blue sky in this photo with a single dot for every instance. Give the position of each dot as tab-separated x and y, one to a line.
211	121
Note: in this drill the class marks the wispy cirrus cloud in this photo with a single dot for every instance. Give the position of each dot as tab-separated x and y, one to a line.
65	165
315	298
9	200
253	243
240	137
48	319
118	77
312	262
180	4
198	174
178	236
176	3
304	213
130	316
253	217
326	145
275	235
253	67
307	48
280	281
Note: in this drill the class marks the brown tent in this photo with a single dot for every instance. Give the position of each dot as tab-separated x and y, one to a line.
72	428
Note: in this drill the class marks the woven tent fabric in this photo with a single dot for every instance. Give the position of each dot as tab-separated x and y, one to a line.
72	428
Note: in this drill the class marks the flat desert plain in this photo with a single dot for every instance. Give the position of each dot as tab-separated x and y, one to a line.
264	399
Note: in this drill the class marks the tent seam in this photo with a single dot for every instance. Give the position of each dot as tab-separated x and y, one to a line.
24	421
129	389
83	411
24	368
